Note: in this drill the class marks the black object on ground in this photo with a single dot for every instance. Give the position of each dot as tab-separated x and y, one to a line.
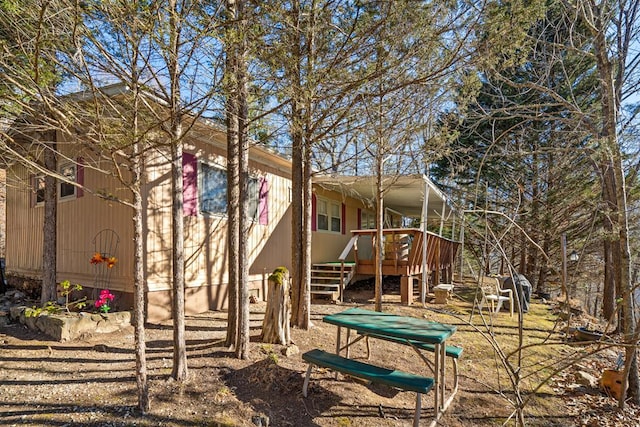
521	290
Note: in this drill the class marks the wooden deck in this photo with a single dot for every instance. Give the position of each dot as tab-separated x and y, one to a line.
403	256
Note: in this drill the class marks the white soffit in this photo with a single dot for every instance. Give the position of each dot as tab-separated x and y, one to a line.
404	194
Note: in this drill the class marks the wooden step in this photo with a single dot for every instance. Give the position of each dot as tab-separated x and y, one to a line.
335	264
325	285
323	292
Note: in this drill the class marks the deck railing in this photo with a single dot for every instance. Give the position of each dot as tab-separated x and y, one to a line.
403	249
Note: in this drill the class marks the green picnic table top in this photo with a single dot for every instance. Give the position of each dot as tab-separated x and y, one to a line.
392	325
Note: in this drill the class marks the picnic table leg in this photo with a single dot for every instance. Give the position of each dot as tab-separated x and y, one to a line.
437	379
443	360
454	388
338	341
416	417
306	380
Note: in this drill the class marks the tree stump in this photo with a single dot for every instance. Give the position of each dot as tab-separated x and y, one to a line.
277	316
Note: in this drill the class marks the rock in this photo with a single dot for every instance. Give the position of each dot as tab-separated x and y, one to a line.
4	318
16	311
70	326
17	295
586	379
290	350
260	420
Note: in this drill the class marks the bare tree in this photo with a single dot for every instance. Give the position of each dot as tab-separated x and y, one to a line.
237	175
575	34
613	61
32	35
131	23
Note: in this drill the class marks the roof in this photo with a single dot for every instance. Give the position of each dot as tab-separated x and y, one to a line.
404	194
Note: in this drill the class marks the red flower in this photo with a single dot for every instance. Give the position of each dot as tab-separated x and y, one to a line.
111	261
97	258
106	295
103	301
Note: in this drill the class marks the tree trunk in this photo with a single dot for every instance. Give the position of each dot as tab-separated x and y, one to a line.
293	70
233	174
242	345
611	251
49	247
609	288
180	371
379	236
138	270
304	304
297	214
277	316
617	193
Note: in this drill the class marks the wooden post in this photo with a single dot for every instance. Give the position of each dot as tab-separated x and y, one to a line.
406	290
277	316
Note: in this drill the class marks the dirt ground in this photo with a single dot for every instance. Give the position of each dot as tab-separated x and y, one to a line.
91	382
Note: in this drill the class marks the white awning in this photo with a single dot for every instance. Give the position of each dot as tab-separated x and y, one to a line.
404	194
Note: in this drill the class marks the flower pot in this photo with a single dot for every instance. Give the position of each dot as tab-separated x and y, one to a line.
611	382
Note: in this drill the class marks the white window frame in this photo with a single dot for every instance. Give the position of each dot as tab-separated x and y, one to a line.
201	188
367	220
254	189
253	210
330	217
71	177
40	185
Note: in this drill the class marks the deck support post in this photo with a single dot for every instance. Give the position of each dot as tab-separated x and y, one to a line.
406	290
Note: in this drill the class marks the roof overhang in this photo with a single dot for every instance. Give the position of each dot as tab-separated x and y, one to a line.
404	194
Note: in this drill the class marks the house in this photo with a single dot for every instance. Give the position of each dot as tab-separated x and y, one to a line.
413	205
90	220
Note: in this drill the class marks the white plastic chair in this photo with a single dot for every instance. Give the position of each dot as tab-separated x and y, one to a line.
493	296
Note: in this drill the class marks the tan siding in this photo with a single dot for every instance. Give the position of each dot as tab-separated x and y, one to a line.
157	208
24	225
271	243
79	220
327	246
205	236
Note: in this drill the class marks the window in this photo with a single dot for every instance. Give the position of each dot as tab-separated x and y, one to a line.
39	188
329	216
367	220
66	189
254	202
213	196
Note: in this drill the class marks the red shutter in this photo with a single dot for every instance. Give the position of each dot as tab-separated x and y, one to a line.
344	219
80	177
189	184
314	225
359	219
263	205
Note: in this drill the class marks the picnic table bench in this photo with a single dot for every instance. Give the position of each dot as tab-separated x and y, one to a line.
376	374
419	334
451	351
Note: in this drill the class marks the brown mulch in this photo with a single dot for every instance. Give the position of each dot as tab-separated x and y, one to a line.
91	382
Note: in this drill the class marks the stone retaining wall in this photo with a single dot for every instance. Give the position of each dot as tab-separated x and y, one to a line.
71	326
